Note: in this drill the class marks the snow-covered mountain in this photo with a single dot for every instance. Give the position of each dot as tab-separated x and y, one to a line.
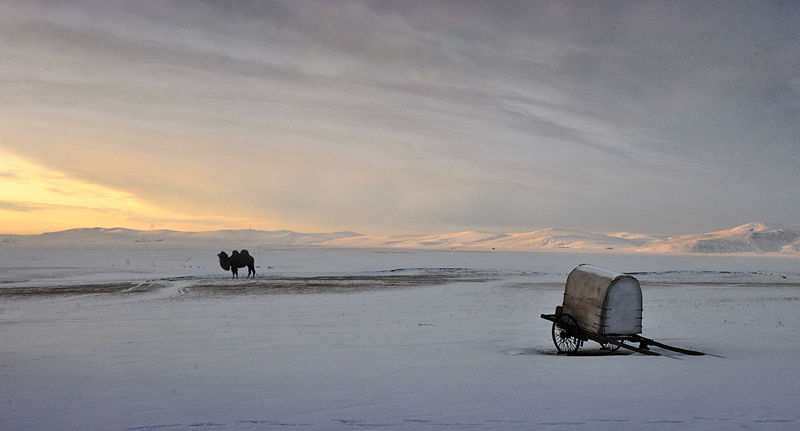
750	238
538	240
127	236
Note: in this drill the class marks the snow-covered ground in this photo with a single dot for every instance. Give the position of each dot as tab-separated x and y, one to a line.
154	335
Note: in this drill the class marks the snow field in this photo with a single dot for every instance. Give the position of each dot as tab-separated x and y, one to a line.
468	354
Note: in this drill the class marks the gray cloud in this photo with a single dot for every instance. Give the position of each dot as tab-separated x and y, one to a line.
14	206
422	115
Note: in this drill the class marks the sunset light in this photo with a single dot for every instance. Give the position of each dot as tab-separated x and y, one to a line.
34	199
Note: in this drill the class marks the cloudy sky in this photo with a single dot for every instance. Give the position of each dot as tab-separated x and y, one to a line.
394	117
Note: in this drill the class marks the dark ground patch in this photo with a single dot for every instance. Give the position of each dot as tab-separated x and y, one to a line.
80	289
384	280
334	284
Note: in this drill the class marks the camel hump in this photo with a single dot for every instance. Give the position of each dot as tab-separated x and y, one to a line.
245	253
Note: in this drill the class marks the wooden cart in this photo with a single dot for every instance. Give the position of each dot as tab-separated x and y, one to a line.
605	307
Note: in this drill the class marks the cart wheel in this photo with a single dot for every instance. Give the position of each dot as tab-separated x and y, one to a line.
566	334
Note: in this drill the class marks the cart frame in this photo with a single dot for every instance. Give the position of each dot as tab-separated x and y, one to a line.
569	337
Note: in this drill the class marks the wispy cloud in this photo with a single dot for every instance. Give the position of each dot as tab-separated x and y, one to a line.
18	207
418	116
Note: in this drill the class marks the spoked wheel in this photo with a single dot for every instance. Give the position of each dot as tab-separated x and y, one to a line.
566	334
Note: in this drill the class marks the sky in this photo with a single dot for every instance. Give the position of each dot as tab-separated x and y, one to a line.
399	117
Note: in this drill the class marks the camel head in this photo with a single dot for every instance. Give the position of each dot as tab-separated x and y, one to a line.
224	261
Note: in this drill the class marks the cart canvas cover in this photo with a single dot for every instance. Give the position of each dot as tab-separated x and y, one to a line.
603	302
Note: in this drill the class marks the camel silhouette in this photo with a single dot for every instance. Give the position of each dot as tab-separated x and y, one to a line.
237	259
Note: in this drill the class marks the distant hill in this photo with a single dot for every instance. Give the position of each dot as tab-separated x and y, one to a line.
538	240
126	236
750	238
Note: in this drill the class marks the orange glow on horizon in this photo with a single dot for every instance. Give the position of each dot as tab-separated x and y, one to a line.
35	199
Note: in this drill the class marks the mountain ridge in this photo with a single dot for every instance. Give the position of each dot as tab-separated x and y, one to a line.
754	238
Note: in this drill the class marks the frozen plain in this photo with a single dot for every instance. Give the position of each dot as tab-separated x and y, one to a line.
148	336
